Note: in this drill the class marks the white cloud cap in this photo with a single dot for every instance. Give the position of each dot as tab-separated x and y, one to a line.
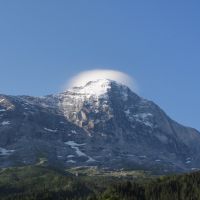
92	75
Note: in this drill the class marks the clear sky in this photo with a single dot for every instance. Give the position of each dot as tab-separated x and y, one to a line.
45	42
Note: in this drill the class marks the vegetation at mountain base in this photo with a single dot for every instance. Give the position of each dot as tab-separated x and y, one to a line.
46	183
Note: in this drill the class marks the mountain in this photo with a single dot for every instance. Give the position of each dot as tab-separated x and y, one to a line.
102	124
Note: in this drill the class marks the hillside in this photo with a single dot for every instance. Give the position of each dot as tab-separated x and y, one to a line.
44	183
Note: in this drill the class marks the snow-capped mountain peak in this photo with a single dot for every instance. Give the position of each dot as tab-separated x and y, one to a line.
97	88
102	123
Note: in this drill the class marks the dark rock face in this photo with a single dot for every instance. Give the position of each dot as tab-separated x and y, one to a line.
101	124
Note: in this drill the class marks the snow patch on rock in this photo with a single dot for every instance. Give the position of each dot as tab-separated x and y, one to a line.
71	161
73	131
76	146
5	123
143	118
6	152
70	156
50	130
1	100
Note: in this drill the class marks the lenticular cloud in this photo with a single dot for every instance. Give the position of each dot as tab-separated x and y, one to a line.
84	77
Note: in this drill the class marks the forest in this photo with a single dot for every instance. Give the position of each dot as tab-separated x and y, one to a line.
45	183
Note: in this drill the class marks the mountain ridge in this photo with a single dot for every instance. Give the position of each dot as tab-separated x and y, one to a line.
100	124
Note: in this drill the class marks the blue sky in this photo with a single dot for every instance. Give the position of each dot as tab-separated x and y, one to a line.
45	42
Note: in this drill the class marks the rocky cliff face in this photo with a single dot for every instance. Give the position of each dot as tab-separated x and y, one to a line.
102	124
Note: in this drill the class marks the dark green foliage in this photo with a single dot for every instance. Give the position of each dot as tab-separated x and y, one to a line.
128	190
42	183
182	187
36	182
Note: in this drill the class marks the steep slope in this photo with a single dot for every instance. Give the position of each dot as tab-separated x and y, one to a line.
102	123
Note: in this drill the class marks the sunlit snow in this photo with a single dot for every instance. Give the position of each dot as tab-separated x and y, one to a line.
1	100
92	75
